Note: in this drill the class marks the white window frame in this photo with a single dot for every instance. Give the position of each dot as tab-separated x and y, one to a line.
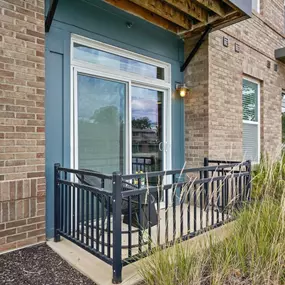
131	79
250	79
257	9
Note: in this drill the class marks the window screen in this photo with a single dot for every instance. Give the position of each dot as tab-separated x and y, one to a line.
250	120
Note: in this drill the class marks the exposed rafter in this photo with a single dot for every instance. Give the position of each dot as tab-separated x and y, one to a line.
186	17
166	11
213	5
190	8
144	14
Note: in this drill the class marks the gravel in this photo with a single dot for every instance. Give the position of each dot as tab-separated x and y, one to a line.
38	265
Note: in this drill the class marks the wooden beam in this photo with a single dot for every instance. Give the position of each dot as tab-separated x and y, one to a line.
190	8
144	14
213	5
166	11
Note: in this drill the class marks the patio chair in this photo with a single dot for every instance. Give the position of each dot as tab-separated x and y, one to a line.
146	208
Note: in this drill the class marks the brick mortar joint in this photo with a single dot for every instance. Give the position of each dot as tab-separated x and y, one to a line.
23	199
22	179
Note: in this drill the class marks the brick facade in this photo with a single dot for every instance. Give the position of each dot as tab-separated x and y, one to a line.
225	68
22	137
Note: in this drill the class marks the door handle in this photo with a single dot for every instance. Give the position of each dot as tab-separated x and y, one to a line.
160	146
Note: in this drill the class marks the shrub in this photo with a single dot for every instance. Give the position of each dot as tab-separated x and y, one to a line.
253	253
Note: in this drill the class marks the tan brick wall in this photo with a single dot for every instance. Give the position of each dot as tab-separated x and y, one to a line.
22	137
258	38
196	105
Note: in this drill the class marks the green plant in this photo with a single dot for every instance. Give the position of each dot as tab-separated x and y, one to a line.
269	178
253	252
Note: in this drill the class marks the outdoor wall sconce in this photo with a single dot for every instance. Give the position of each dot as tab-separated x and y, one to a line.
182	89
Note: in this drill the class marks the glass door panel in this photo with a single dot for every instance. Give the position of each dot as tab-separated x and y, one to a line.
147	129
101	123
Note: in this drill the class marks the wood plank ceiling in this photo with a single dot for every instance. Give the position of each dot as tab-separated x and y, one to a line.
183	17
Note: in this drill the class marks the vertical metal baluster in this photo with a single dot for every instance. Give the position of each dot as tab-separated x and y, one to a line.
223	197
65	203
97	221
148	221
201	192
249	186
166	216
218	198
206	189
82	215
174	211
140	221
103	224
92	220
61	205
73	211
188	210
181	211
212	198
87	217
158	217
240	186
232	185
207	202
195	207
140	217
236	192
244	188
78	213
228	197
108	226
57	187
129	226
69	210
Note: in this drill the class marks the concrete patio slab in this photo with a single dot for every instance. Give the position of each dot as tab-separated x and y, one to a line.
101	273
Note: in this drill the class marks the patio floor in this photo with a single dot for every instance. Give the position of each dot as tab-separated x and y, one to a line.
162	230
101	273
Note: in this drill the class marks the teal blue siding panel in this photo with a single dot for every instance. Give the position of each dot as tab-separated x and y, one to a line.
54	125
107	24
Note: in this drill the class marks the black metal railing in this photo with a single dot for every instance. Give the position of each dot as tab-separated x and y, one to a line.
121	218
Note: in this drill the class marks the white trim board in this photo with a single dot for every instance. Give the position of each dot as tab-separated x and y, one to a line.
131	79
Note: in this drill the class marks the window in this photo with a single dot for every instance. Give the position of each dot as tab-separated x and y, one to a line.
250	104
283	117
118	62
256	5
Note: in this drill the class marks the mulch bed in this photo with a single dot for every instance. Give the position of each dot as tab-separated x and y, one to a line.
38	265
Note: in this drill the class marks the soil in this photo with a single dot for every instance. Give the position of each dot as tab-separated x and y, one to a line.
38	265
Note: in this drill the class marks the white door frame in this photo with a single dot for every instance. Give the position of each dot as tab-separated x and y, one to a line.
131	79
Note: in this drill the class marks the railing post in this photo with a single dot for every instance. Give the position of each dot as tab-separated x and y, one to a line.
56	203
117	227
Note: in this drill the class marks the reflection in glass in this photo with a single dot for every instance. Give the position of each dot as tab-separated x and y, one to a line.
101	124
147	135
249	101
118	62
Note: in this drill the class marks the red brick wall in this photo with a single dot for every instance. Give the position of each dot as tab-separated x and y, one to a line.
22	137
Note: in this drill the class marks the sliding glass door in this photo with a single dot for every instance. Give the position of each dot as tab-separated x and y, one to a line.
118	125
147	129
100	123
